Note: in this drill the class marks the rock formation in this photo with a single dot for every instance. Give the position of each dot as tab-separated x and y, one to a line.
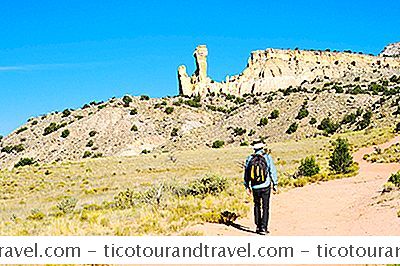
273	69
391	50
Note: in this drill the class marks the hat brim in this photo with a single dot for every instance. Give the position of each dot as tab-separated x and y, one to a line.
258	146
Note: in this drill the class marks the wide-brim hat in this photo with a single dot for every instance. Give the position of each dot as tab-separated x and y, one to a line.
258	145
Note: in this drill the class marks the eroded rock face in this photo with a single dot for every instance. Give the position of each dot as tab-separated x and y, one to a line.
273	69
391	50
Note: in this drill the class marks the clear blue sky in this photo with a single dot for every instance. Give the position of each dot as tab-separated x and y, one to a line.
60	54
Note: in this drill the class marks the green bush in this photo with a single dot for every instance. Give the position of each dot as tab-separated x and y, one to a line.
349	119
97	155
341	158
174	132
34	122
218	144
207	185
134	128
145	151
313	121
52	127
22	129
7	149
126	100
87	154
17	148
24	161
303	112
90	143
65	133
366	120
274	114
92	133
66	113
67	205
1	137
263	121
238	131
328	126
169	110
244	143
292	128
133	111
36	214
395	179
251	132
308	167
144	98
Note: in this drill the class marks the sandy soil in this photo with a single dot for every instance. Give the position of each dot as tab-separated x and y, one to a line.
338	207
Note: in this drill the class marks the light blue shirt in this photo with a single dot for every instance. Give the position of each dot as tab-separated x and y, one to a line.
271	168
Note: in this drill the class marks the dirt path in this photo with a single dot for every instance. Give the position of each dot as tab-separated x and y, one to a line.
338	207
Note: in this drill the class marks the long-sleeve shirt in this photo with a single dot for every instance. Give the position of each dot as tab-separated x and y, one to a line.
271	172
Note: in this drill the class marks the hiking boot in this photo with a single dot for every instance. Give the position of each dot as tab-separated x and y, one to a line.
260	231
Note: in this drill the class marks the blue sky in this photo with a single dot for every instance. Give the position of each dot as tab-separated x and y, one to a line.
62	54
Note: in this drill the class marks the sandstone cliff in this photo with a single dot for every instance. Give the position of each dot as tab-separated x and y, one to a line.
391	50
273	69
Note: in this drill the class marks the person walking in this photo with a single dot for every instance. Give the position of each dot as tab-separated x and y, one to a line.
259	173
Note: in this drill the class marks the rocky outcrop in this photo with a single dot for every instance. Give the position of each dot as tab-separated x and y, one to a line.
273	69
391	50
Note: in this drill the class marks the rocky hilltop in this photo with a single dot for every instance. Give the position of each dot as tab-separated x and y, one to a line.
281	95
272	69
391	50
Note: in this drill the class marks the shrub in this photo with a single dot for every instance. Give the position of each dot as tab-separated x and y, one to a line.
67	205
65	133
87	154
328	126
174	132
90	143
274	114
238	131
145	151
1	137
127	100
22	129
24	161
313	121
396	129
218	144
308	167
34	122
292	128
263	121
207	185
395	179
92	133
7	149
133	111
169	110
303	112
144	97
388	186
338	89
66	113
251	133
134	128
244	143
366	121
36	214
97	155
18	148
341	159
52	127
349	119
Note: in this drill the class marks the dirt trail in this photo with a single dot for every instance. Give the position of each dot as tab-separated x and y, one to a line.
338	207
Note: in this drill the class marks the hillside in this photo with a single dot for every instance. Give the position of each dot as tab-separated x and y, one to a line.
368	97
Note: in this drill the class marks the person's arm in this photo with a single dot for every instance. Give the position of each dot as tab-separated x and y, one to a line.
273	173
245	177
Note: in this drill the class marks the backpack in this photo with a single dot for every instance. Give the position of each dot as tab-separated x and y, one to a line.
257	169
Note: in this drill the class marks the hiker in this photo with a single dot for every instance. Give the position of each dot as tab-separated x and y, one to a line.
259	172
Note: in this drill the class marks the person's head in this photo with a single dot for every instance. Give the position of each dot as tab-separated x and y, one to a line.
258	145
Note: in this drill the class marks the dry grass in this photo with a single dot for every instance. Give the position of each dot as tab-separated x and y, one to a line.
30	195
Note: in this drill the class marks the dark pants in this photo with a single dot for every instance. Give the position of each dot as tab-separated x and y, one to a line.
261	198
